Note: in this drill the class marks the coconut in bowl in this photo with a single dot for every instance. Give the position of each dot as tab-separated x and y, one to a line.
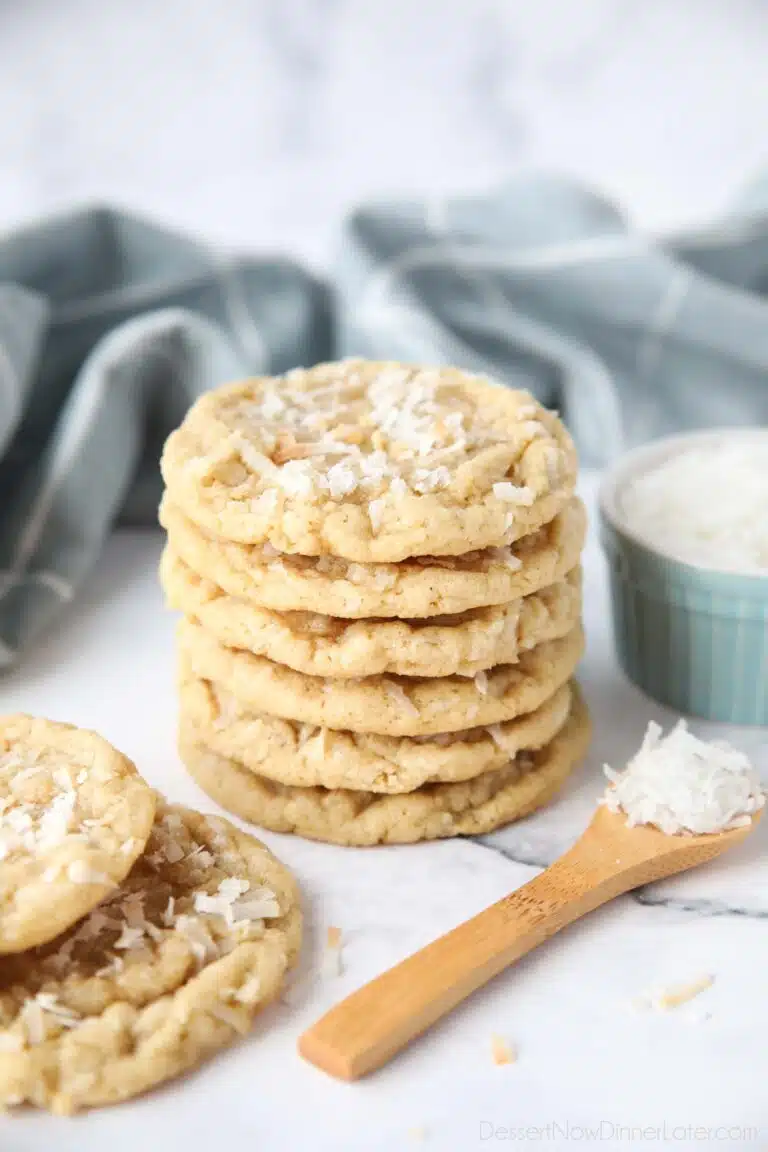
684	525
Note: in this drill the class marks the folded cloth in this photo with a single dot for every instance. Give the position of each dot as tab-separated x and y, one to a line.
109	329
111	326
544	285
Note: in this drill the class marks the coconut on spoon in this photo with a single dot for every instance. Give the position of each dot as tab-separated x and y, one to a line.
680	802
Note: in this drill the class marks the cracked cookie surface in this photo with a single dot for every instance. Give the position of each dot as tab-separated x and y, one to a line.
370	461
174	966
74	816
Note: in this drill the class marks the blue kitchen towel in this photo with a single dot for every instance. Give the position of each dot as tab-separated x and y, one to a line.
544	285
111	326
109	329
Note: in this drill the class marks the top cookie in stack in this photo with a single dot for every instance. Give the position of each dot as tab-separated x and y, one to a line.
379	566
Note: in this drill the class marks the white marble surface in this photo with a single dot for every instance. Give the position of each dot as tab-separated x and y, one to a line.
258	122
585	1057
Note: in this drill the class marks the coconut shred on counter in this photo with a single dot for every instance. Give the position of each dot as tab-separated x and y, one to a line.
685	785
706	504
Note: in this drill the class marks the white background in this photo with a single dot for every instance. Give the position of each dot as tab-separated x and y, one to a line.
258	122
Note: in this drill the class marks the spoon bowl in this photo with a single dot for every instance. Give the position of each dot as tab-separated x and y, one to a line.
635	855
364	1031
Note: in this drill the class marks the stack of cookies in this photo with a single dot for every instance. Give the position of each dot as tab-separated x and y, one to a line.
378	568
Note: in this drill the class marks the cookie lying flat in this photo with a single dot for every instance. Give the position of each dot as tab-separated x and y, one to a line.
372	461
330	646
387	705
74	816
365	818
304	755
426	586
174	966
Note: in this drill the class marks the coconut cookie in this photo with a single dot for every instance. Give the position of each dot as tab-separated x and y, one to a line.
74	816
387	705
305	755
365	818
330	646
425	586
370	461
174	966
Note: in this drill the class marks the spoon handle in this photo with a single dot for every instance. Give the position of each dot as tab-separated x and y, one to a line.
370	1026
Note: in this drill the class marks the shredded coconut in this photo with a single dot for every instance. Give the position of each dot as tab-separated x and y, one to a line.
80	873
376	513
229	902
400	696
403	431
66	1016
683	784
129	938
513	493
198	937
33	1016
173	853
27	825
34	1022
496	733
666	999
230	1016
706	505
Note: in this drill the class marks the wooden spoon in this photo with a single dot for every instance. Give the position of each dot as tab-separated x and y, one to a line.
370	1026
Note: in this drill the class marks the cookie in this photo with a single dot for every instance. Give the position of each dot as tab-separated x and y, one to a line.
319	645
366	818
386	705
174	966
428	586
74	816
304	755
370	461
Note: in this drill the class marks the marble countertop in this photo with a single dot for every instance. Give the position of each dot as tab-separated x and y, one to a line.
592	1070
257	124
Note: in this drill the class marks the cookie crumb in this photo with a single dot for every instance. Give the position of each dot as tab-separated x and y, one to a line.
333	937
501	1051
666	999
331	963
678	994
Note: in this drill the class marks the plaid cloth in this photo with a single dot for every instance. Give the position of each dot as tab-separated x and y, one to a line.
111	326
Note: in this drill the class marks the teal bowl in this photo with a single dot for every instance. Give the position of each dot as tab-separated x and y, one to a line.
693	638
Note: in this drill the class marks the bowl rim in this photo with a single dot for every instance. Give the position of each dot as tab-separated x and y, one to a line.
639	459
